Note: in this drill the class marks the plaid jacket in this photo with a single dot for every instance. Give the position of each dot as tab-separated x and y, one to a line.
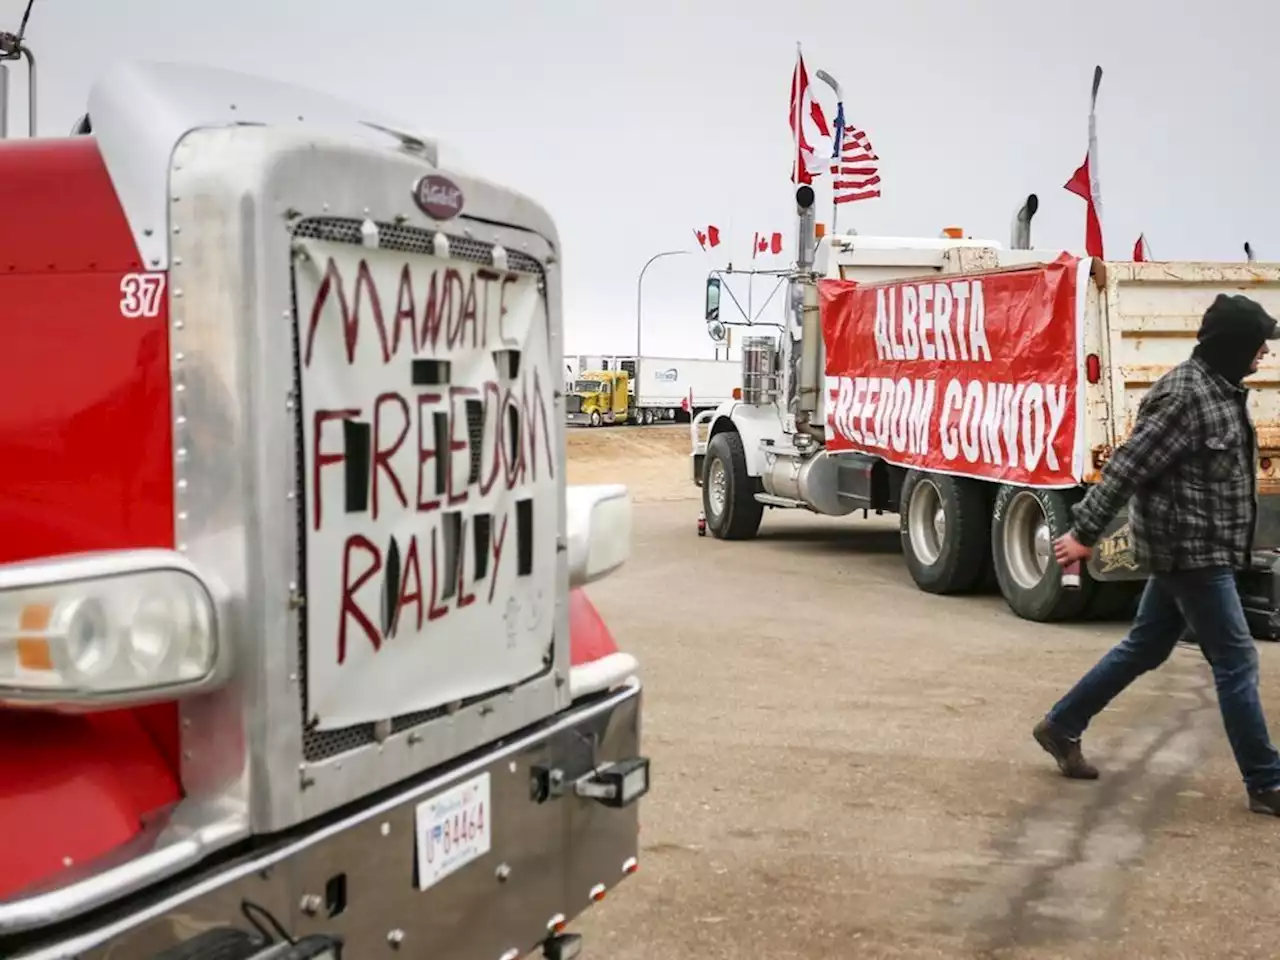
1189	468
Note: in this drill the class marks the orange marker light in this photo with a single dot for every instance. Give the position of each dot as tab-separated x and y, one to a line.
953	233
737	393
820	230
33	652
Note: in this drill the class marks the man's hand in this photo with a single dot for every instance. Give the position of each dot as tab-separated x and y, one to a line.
1067	549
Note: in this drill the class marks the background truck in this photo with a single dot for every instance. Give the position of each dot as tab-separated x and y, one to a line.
648	390
900	386
294	659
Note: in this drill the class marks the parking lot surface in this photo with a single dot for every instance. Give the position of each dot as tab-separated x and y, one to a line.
843	766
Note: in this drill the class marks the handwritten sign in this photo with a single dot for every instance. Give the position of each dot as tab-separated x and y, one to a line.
430	478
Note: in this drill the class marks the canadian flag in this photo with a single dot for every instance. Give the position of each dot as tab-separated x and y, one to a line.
1084	182
709	237
808	123
1141	252
766	243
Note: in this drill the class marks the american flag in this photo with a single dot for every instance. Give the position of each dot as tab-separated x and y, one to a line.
856	174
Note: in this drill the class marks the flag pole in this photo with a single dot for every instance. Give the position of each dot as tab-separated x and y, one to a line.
1094	174
837	143
795	117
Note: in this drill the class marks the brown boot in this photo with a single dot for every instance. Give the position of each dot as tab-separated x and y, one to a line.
1065	751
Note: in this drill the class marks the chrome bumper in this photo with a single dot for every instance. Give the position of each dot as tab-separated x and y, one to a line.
553	852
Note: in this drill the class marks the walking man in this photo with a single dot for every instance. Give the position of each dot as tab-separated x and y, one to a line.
1189	469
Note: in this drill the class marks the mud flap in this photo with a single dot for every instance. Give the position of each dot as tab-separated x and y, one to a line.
1260	593
1114	559
1113	555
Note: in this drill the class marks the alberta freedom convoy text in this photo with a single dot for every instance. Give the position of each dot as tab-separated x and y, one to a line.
970	405
440	451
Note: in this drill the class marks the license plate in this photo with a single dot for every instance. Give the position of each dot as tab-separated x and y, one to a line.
453	829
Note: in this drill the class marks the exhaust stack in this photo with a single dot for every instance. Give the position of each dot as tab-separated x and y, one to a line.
12	48
1020	236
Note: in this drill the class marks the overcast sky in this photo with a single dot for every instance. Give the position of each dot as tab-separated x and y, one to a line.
636	122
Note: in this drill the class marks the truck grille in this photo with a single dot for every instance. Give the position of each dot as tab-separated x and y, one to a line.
319	745
572	404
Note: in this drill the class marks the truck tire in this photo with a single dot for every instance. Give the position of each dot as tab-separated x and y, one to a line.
1025	523
728	491
648	418
595	418
945	531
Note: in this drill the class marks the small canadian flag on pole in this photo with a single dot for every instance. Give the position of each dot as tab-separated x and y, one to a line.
710	237
766	243
1141	252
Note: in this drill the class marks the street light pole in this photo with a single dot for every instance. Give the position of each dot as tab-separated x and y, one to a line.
640	289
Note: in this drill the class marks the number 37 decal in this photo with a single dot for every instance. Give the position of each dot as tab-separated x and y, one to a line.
141	294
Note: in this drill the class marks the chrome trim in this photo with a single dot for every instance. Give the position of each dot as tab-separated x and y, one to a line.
94	566
163	850
74	947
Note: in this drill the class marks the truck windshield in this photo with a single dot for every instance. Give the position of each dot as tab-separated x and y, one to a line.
588	386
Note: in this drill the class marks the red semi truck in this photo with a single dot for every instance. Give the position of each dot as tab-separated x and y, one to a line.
294	659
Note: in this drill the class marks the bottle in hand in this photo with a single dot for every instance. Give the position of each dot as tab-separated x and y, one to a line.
1071	575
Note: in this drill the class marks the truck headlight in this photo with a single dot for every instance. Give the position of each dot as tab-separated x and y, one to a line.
106	629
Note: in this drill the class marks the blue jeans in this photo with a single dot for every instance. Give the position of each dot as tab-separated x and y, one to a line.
1208	602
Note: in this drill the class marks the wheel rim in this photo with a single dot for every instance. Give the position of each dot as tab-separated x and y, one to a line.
1026	540
595	419
926	522
717	487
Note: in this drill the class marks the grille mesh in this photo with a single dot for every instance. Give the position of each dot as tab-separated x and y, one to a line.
319	745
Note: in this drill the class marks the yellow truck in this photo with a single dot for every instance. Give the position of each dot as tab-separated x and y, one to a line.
599	397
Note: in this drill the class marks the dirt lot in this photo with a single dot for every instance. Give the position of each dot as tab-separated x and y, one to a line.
843	766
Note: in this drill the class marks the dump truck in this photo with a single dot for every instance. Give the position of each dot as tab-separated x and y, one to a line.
975	391
295	660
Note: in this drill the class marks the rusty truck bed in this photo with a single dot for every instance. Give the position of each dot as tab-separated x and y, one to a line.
1150	313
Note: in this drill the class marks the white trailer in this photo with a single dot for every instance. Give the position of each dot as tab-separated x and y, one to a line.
667	384
805	435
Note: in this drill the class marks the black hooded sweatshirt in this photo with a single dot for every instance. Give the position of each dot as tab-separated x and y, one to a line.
1232	331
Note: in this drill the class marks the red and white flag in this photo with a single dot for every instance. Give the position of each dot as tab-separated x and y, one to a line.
709	237
808	124
1084	182
856	173
766	243
1141	252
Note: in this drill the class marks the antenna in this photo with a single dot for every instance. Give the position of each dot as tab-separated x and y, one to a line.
12	48
1248	252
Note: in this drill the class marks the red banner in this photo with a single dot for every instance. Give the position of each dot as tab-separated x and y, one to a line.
979	375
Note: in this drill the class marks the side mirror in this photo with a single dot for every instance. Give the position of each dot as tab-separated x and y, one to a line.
598	530
713	299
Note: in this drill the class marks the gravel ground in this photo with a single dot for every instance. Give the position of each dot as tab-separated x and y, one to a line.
843	765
